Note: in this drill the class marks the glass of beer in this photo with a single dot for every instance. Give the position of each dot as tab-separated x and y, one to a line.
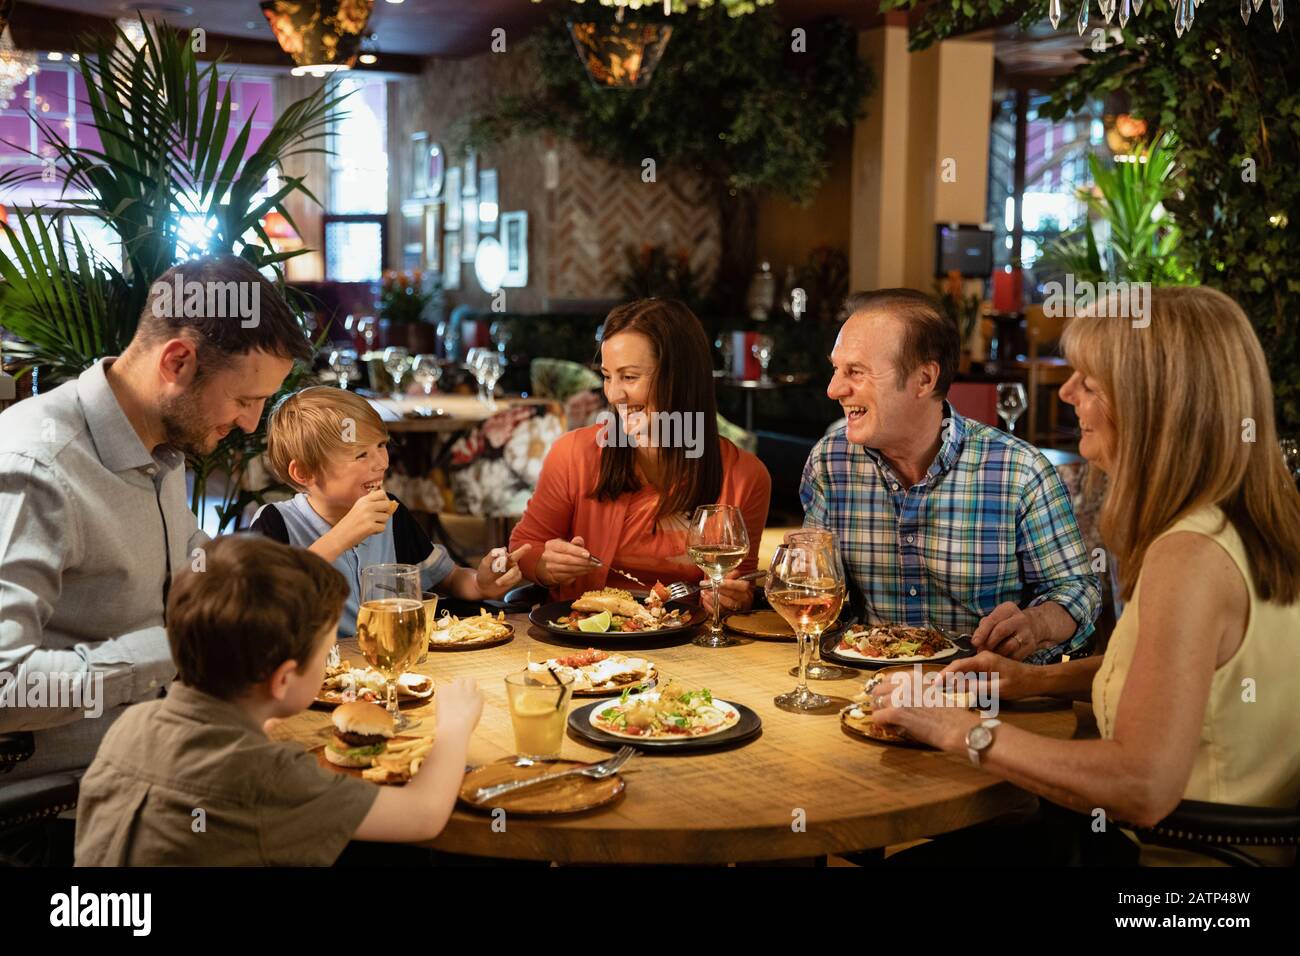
539	708
390	625
717	542
806	587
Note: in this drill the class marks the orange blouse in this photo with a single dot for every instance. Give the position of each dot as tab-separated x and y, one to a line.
622	532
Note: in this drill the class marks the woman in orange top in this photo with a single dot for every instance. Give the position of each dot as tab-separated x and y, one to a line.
629	506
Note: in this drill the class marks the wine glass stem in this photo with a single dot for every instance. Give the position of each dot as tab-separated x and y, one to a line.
805	642
392	699
716	626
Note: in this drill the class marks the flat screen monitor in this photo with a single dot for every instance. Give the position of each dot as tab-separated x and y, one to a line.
967	249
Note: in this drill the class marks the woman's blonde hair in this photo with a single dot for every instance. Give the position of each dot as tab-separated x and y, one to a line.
1192	405
313	425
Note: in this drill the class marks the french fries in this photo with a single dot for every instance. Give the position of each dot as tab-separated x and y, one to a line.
400	762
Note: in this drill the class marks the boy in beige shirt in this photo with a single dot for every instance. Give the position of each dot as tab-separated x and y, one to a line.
193	779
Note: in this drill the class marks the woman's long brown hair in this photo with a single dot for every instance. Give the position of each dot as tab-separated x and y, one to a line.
1192	406
683	382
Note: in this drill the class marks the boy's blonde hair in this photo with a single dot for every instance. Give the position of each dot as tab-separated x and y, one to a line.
313	425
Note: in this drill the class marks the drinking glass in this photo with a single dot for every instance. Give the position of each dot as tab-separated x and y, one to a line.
806	587
1011	403
538	711
826	540
426	372
501	332
390	625
717	542
366	326
397	362
474	362
762	349
343	362
490	364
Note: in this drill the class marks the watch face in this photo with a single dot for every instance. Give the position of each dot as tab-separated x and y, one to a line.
979	737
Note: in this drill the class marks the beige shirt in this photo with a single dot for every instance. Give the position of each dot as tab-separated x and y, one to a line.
1247	754
192	780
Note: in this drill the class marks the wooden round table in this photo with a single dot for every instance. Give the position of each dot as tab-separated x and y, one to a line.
803	789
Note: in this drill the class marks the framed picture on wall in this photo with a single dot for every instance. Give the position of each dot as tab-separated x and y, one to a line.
451	199
469	227
432	242
488	209
451	260
419	165
514	236
413	238
435	165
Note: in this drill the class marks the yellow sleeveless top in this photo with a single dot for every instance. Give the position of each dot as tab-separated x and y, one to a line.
1247	754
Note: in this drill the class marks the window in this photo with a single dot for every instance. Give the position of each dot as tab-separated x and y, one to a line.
357	202
1033	190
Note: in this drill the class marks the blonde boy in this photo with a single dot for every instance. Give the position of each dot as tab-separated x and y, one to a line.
333	447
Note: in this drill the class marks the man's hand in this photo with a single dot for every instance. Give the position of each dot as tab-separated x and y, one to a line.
1017	632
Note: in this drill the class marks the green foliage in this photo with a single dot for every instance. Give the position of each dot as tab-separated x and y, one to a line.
170	145
654	272
1230	92
1144	241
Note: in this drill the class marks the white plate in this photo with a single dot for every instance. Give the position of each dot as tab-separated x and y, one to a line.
913	659
726	707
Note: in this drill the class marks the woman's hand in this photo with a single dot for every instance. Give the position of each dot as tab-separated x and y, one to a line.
562	561
1015	680
893	702
734	594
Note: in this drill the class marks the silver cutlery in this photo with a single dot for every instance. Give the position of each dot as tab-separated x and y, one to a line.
681	590
598	771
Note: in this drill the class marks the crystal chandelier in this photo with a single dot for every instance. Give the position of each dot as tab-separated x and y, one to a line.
1184	12
15	67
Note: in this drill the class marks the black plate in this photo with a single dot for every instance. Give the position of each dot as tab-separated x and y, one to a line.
545	615
747	728
831	639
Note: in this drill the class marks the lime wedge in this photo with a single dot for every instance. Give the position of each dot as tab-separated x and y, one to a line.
597	622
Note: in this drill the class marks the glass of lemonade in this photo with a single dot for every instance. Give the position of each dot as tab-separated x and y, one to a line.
539	708
390	625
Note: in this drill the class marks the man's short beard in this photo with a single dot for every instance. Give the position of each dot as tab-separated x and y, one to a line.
183	426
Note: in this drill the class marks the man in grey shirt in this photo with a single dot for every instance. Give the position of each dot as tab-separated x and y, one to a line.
94	517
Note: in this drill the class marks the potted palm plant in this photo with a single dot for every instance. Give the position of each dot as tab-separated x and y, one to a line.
171	148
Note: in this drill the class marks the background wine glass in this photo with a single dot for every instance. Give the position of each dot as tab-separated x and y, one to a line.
474	363
717	542
343	363
818	669
501	332
366	326
391	625
806	587
762	349
1011	403
491	365
425	371
397	362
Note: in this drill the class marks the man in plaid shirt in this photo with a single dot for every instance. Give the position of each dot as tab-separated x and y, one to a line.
942	519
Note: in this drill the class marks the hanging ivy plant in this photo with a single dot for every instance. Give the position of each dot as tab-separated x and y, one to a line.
745	103
1230	93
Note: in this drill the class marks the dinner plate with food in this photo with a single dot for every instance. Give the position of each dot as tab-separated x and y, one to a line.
880	645
855	718
597	673
453	633
348	682
613	618
364	745
672	717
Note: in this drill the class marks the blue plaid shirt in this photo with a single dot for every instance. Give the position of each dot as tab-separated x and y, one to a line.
990	522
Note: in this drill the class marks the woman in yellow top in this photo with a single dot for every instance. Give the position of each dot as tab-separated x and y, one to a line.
1198	694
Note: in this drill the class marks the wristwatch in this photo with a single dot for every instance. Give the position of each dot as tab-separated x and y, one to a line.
979	739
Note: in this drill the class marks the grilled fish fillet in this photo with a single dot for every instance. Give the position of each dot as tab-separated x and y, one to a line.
613	600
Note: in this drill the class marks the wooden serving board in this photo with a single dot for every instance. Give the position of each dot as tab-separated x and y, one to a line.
575	794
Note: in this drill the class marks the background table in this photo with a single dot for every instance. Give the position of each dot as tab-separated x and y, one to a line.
722	806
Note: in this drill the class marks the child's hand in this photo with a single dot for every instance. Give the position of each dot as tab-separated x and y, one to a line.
460	704
499	571
368	516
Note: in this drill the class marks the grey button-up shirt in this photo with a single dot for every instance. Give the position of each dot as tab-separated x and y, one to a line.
91	527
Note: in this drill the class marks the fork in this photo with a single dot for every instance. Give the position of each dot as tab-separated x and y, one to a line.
681	590
598	771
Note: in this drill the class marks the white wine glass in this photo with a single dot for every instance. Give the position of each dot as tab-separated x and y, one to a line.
391	626
818	669
1011	403
762	348
397	362
343	363
717	542
805	585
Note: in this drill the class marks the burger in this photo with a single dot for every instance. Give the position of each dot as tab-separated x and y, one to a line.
361	733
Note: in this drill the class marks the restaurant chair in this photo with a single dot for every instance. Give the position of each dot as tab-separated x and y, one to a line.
29	807
1042	371
1218	829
